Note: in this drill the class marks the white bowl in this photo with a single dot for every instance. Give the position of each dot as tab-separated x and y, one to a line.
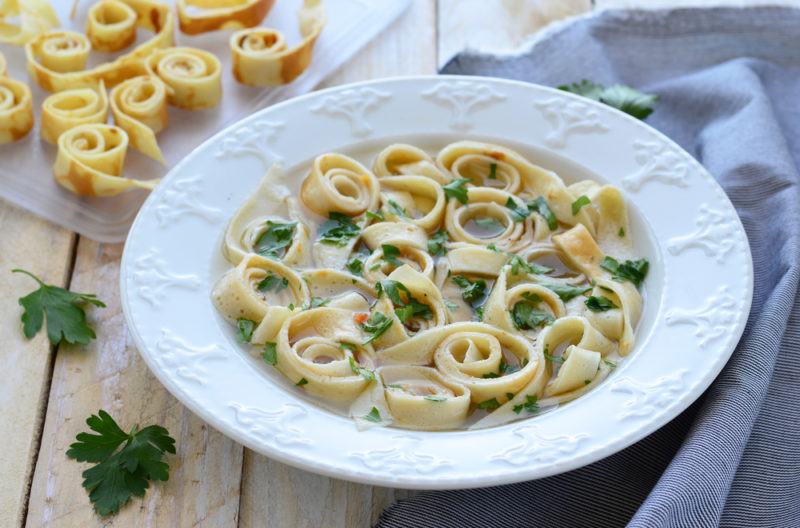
697	294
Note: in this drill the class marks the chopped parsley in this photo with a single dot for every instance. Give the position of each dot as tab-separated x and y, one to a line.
338	230
553	359
600	304
456	189
488	223
436	243
489	405
272	281
270	353
406	305
621	232
376	326
245	329
450	305
355	266
374	416
492	247
578	204
567	292
435	398
531	405
479	313
518	213
526	316
493	171
275	240
540	206
610	364
472	290
361	371
624	98
518	264
631	270
390	254
66	320
377	215
396	209
302	382
315	302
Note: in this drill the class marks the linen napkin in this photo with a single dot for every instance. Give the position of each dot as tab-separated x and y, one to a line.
728	82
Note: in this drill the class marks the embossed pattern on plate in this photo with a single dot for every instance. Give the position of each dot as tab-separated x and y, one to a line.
697	295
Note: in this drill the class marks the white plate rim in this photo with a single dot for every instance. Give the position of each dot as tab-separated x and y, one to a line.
548	455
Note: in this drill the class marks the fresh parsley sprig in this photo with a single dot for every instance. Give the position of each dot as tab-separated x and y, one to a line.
567	292
275	241
338	230
526	316
624	98
457	189
63	309
472	290
633	271
375	326
120	473
600	303
406	305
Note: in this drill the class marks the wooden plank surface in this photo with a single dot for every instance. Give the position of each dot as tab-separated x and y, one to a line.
45	250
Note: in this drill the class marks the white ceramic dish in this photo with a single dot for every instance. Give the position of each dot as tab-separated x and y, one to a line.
697	295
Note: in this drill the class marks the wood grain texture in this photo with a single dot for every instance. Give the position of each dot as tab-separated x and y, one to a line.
109	374
45	250
274	494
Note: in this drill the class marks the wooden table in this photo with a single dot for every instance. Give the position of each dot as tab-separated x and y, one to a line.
48	392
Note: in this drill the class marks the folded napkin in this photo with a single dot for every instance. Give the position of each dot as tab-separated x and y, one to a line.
729	87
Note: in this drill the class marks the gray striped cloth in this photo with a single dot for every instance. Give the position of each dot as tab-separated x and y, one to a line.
729	88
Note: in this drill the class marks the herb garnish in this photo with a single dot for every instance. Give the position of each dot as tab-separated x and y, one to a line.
610	364
488	223
540	206
631	270
519	264
493	171
406	306
631	101
314	302
361	371
302	382
66	320
436	243
456	189
566	292
479	313
270	353
578	204
553	359
377	215
338	230
473	290
526	316
390	254
245	329
600	304
435	398
396	209
489	405
272	281
531	405
119	474
492	247
450	305
376	325
518	213
355	266
621	232
373	416
274	241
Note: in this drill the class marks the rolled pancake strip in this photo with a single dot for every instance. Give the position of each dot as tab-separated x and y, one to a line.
139	106
70	108
192	75
111	25
16	110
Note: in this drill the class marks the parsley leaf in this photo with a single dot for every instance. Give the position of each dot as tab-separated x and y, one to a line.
274	241
436	243
519	264
355	266
272	281
270	354
489	405
488	223
361	371
245	329
473	290
435	398
600	304
553	359
302	382
373	416
479	313
376	326
406	305
493	171
66	320
396	210
531	405
525	316
629	100
492	247
631	270
377	215
390	254
578	204
541	207
621	232
338	230
518	213
315	302
456	189
122	473
566	292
